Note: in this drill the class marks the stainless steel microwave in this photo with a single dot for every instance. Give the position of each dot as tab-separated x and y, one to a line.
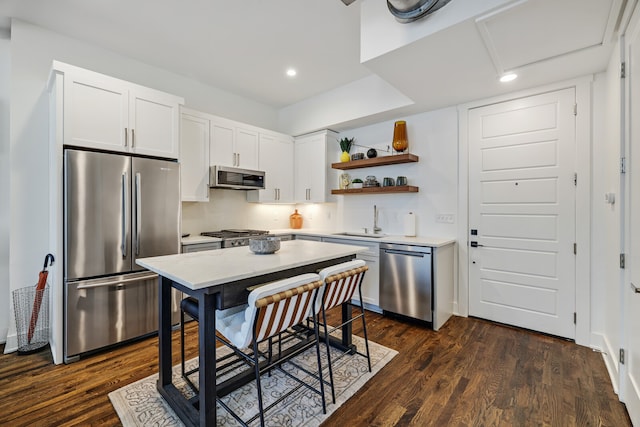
235	178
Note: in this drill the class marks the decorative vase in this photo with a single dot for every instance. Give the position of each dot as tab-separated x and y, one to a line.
400	142
345	180
295	220
345	157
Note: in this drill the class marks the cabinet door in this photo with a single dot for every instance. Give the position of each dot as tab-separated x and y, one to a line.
153	119
370	283
194	158
96	111
222	144
310	165
276	159
246	148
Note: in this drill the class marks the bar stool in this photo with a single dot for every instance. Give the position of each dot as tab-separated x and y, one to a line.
341	283
272	309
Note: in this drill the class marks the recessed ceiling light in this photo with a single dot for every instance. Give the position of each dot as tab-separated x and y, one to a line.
291	72
508	77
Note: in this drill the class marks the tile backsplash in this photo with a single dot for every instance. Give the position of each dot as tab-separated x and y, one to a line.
230	209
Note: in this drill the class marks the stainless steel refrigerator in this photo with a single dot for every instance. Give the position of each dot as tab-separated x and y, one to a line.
117	208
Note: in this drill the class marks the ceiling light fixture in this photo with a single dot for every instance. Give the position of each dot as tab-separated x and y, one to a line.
509	77
291	72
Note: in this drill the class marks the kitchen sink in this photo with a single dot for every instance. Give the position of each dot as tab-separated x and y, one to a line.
357	234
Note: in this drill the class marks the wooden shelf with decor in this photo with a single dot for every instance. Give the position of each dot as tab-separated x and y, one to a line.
372	190
394	159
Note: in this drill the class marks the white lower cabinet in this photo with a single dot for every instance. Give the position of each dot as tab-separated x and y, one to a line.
371	282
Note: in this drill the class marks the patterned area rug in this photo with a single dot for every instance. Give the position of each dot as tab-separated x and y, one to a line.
140	404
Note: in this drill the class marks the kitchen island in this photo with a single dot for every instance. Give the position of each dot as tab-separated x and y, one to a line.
219	279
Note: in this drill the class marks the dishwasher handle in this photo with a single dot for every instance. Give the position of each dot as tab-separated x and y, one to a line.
397	252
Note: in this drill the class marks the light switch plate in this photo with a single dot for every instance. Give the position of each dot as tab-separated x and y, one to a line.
446	218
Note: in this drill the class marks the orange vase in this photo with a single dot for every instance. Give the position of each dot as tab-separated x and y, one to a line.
400	142
295	220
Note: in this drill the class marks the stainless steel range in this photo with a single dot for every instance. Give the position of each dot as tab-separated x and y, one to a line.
234	237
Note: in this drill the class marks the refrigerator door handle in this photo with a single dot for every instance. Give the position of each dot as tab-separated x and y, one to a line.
101	283
123	246
138	212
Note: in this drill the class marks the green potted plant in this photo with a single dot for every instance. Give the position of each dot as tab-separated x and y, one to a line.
356	183
345	146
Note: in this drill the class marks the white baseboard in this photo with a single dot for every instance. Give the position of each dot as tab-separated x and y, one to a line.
600	343
11	344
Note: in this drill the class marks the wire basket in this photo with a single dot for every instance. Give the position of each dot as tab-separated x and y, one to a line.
31	307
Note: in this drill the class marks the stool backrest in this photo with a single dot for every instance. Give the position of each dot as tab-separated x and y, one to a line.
341	283
279	305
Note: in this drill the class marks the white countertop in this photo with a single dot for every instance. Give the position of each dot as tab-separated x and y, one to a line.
198	270
430	241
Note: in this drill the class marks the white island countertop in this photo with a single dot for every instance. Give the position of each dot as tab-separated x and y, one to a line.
198	270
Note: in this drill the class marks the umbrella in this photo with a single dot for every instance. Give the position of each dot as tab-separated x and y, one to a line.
42	282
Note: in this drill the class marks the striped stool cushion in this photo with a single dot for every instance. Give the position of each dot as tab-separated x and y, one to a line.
341	282
275	307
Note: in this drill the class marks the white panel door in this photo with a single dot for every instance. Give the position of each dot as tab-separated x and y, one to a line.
522	212
630	393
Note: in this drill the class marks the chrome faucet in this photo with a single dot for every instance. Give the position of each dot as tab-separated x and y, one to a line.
376	229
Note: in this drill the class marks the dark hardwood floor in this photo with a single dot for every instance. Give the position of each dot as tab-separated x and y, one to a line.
471	372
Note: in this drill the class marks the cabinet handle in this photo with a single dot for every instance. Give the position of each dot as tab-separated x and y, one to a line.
635	288
133	139
126	137
238	159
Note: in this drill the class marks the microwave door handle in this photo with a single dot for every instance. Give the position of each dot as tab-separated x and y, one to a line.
138	213
123	246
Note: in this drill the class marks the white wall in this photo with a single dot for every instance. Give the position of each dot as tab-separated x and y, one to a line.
606	218
4	185
433	136
32	51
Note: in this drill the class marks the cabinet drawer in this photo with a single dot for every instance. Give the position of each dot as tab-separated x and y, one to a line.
373	248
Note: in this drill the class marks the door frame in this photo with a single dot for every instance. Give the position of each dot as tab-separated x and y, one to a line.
583	198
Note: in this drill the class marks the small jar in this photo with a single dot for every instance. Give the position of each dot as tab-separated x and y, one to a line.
295	220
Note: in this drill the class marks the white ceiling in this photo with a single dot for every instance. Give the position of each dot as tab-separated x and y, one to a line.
245	46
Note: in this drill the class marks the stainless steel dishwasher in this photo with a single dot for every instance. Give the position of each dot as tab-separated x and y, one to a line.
406	280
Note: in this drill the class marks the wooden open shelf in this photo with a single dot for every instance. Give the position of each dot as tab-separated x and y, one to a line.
376	161
372	190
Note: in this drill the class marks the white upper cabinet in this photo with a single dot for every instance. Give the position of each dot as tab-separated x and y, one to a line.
106	113
312	172
194	156
276	159
233	144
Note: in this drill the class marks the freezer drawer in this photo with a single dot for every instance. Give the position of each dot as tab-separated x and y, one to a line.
106	311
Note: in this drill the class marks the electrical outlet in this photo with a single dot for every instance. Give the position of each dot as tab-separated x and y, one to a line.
445	218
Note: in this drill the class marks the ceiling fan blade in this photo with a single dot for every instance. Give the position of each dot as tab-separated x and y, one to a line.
347	2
